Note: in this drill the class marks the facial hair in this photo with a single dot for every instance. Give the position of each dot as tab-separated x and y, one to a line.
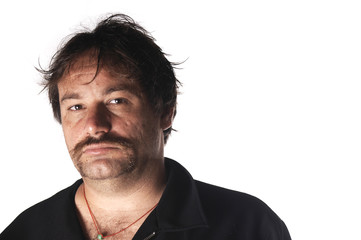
125	145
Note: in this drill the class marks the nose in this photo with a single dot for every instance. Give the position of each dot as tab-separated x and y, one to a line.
97	122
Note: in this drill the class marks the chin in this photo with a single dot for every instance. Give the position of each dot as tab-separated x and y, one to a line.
102	169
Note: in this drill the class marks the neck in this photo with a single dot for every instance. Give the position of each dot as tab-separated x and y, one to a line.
128	192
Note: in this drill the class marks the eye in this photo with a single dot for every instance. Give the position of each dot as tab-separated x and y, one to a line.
118	101
76	107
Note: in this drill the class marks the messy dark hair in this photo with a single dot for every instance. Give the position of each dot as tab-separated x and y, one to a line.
122	46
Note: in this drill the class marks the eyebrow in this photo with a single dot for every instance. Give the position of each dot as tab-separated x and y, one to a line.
68	96
123	87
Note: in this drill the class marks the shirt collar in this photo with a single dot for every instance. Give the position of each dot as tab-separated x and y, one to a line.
179	207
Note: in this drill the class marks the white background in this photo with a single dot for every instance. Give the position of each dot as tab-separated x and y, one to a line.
270	102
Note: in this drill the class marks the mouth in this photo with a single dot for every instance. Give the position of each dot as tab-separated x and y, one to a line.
107	144
98	149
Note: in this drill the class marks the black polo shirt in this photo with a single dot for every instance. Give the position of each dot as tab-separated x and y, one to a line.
188	209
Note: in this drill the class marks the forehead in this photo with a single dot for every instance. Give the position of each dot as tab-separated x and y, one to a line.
84	73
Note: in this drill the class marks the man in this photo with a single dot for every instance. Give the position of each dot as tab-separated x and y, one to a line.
114	93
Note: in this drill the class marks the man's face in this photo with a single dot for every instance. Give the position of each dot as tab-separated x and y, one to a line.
109	126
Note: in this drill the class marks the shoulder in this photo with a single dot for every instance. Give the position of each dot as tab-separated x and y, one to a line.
43	215
242	211
63	198
218	202
211	194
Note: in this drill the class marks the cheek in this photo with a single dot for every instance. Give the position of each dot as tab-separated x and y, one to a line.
70	134
133	128
151	132
130	128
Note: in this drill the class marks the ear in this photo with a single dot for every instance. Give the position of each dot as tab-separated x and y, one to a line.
167	117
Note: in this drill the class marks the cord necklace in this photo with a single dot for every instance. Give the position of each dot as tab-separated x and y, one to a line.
100	235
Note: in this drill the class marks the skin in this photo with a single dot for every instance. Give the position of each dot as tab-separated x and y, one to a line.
124	174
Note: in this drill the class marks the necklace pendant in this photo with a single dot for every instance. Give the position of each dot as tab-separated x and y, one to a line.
100	237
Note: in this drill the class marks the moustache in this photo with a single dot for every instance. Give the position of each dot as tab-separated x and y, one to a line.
116	140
